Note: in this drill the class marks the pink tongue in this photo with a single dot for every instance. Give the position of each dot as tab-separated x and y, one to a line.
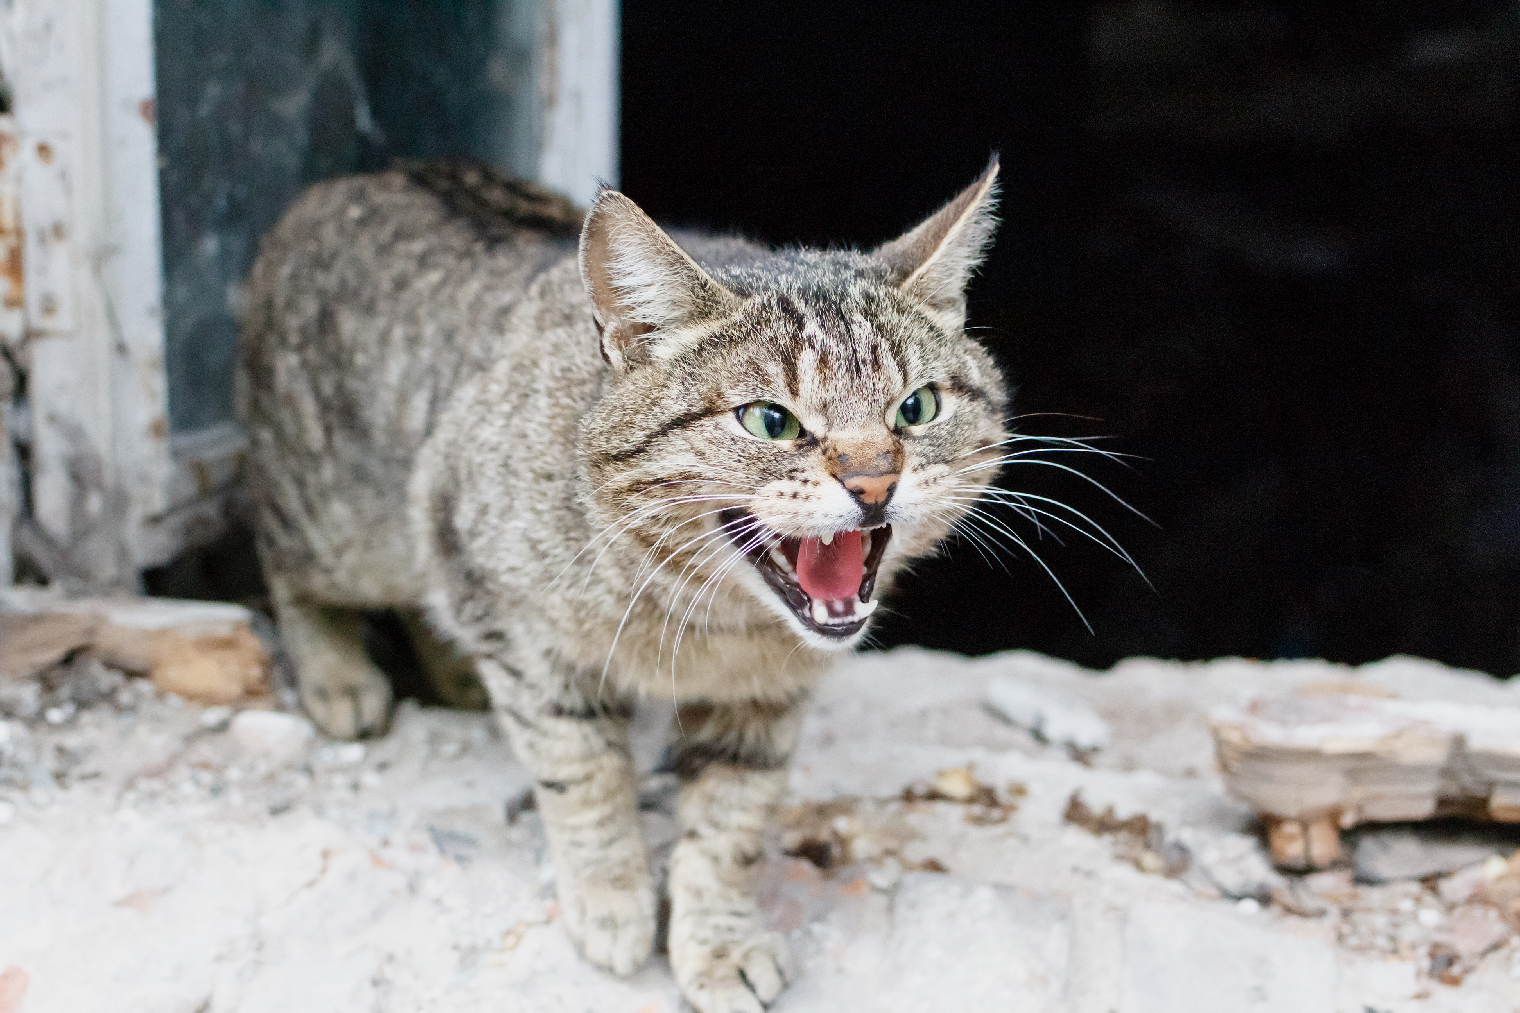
832	571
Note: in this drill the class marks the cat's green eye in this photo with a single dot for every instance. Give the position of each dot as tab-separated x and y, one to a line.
917	408
769	421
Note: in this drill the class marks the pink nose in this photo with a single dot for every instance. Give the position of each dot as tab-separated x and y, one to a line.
871	490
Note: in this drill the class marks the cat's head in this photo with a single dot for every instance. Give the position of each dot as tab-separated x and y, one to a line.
801	423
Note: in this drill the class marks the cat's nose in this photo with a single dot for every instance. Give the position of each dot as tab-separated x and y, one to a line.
871	490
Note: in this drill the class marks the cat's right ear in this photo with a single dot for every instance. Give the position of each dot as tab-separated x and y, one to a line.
640	282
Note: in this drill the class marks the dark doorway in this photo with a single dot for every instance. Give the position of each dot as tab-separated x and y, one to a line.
1270	251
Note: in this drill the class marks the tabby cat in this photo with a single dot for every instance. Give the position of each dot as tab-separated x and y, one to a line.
620	468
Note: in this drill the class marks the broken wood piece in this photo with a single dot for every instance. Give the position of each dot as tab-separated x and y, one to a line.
1315	765
203	651
29	645
1303	845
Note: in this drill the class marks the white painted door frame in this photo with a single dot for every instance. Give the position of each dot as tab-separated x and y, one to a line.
81	278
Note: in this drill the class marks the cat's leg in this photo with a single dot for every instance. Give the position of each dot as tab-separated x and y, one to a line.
732	763
449	670
340	687
586	789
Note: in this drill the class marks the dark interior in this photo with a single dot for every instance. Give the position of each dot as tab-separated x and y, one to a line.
1270	249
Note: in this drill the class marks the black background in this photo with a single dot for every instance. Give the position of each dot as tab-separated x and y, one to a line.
1268	249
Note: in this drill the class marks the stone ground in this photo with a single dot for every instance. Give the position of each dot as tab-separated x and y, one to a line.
160	857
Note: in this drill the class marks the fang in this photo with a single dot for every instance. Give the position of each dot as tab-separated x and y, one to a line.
827	539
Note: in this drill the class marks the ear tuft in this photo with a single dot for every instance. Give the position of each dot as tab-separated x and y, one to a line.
934	261
640	282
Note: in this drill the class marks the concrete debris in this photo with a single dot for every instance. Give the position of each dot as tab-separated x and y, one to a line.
1136	839
929	856
1235	864
1053	717
1381	855
278	738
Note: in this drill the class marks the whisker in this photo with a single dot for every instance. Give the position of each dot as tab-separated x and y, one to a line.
1088	479
973	516
1107	541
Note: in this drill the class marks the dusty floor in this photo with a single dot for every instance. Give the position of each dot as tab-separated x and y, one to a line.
161	857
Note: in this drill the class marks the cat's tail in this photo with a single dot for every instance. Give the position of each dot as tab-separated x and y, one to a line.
501	206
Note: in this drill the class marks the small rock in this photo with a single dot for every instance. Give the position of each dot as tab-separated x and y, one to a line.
956	784
1235	864
885	876
216	719
1334	886
1382	856
1055	718
1470	934
1459	887
281	738
341	754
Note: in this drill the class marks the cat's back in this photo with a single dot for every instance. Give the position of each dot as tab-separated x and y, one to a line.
372	302
392	287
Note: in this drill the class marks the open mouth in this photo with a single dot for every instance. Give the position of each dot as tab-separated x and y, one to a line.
826	583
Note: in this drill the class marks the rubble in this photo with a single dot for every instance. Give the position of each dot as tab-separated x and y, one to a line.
928	857
1053	717
1382	855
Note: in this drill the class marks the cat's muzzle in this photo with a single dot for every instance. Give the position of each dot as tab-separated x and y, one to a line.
838	606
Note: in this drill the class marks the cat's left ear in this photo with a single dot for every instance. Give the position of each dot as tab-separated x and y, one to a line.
934	261
640	282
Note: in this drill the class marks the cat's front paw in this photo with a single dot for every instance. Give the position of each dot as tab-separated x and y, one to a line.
611	927
737	976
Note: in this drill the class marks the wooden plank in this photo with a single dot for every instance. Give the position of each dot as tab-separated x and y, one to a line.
1315	765
203	651
130	269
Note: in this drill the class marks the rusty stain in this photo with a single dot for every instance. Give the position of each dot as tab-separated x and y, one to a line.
148	110
44	153
12	275
8	145
159	430
49	305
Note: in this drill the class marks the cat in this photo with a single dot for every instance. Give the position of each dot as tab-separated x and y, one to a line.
609	465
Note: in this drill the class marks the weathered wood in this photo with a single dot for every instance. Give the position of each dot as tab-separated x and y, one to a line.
87	183
578	88
203	651
1315	765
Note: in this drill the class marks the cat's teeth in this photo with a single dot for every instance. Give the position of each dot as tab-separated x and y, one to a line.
820	612
779	558
864	609
827	539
